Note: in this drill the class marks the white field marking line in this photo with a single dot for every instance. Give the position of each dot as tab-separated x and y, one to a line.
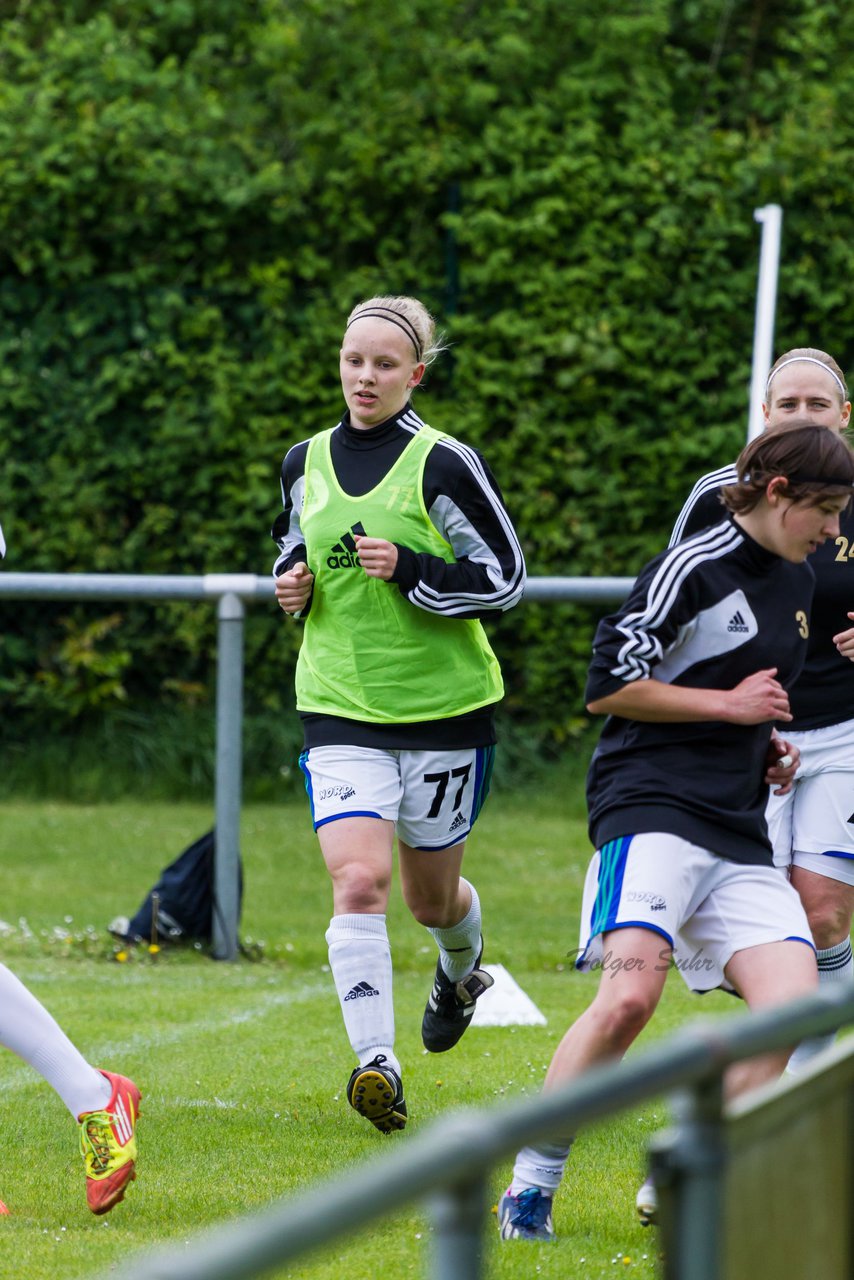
217	1103
113	1051
221	1104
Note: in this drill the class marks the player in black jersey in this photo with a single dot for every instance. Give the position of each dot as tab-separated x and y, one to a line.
811	825
693	672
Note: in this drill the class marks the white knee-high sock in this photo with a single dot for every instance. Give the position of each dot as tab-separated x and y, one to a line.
360	960
28	1029
459	944
835	964
540	1166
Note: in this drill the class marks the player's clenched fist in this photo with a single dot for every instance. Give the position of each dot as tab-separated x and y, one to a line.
294	587
759	698
377	557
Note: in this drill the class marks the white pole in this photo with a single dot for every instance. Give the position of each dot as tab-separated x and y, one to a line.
771	217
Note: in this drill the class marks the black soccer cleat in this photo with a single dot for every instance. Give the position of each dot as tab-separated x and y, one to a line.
451	1006
376	1092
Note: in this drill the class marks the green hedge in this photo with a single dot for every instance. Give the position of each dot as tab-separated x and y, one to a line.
194	192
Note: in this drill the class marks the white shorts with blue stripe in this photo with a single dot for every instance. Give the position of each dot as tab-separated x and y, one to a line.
813	825
702	906
432	797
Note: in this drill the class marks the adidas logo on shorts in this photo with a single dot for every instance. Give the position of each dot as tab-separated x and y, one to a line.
361	991
343	554
737	623
459	821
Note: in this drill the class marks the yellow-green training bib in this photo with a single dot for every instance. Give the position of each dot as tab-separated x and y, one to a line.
367	652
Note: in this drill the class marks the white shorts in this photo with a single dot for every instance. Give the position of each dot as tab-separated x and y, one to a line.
704	907
432	797
811	826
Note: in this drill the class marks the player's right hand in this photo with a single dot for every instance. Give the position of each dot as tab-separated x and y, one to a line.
294	587
759	698
844	641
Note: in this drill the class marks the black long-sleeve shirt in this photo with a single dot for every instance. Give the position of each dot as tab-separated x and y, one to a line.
824	692
705	614
464	503
461	498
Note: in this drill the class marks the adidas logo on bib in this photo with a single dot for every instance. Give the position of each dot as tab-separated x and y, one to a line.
343	554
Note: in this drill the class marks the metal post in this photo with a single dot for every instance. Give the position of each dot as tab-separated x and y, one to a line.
458	1214
687	1164
229	768
771	217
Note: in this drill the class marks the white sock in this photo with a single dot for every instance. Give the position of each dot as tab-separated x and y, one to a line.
459	945
360	960
540	1167
835	964
28	1029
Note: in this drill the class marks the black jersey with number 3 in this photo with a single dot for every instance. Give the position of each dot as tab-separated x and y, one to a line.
705	614
824	693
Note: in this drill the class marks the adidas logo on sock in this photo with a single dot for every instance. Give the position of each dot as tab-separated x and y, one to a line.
343	554
361	991
737	623
459	821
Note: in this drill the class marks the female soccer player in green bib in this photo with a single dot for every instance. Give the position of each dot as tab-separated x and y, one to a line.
394	541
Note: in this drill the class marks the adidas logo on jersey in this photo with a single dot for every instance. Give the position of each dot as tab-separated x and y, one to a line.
361	991
343	554
459	821
737	623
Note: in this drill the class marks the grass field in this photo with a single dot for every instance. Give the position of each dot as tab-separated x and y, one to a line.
243	1066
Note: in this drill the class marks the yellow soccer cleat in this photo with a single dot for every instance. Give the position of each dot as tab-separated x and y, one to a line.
376	1092
108	1145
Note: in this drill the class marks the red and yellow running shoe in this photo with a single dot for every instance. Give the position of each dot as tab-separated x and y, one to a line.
108	1145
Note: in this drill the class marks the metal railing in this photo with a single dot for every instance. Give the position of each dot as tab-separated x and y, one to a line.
448	1165
232	591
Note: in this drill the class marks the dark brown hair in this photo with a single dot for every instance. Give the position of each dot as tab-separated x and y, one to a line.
816	462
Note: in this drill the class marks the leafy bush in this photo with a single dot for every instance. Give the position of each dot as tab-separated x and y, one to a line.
192	196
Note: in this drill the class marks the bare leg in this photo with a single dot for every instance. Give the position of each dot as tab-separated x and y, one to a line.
829	905
449	907
431	885
634	971
768	975
358	857
636	965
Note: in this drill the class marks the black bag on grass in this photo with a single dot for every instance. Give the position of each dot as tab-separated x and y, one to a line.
186	901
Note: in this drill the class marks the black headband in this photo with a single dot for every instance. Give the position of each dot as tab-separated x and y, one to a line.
829	482
386	313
